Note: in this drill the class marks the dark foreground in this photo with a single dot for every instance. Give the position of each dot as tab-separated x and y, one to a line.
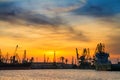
114	67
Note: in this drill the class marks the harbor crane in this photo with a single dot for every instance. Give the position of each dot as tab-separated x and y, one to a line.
24	60
100	48
83	59
15	59
1	57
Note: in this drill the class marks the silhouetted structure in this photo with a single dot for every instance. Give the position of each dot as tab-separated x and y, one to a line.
84	61
101	58
14	61
44	58
54	59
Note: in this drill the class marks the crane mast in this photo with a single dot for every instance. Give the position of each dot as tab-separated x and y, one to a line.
1	57
15	50
77	54
54	59
15	58
24	60
24	57
0	54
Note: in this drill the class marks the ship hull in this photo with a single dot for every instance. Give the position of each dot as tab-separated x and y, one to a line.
103	67
7	66
115	67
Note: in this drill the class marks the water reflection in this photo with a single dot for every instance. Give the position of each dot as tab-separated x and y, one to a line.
58	75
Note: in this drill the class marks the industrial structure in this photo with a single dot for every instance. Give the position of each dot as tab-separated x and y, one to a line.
84	60
14	62
101	60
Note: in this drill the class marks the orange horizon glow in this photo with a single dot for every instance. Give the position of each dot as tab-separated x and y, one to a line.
38	54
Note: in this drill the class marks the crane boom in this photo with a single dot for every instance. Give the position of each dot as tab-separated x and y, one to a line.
77	54
15	50
24	56
0	54
84	52
100	48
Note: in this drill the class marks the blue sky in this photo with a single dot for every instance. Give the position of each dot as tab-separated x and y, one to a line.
92	8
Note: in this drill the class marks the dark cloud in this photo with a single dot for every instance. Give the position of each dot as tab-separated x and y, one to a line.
73	35
99	8
10	12
14	14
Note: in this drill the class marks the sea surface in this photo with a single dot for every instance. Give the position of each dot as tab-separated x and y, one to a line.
58	74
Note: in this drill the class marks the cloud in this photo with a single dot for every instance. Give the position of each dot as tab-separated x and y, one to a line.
14	14
102	11
42	32
99	8
30	11
72	35
6	0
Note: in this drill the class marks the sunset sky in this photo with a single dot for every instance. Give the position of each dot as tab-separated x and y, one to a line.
44	26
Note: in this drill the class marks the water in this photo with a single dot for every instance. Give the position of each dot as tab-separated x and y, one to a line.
58	75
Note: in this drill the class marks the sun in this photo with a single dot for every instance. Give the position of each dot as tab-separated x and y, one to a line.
50	52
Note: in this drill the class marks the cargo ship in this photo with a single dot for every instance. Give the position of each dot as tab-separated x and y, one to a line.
14	62
101	60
